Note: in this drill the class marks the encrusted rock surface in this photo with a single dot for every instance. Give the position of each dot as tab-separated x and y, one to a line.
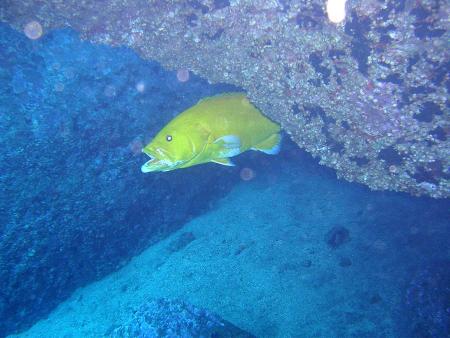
175	318
369	96
74	205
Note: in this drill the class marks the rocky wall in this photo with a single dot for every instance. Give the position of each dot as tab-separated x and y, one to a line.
368	96
74	205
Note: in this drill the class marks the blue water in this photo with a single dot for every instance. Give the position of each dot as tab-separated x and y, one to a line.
75	207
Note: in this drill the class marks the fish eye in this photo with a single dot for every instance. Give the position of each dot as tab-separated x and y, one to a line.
169	138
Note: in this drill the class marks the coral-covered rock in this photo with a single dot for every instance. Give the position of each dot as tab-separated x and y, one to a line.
74	205
346	93
175	319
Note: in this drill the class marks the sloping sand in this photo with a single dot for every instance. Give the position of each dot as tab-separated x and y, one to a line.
259	260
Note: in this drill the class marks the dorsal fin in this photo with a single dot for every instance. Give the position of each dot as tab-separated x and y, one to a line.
224	95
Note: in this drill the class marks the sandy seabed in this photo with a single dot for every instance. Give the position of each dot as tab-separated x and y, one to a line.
260	260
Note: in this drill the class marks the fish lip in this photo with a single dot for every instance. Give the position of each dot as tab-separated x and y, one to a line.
147	166
155	163
149	155
153	152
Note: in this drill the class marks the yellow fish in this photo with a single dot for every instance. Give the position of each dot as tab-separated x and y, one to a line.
213	130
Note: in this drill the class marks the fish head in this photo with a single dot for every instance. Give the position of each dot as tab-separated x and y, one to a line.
171	149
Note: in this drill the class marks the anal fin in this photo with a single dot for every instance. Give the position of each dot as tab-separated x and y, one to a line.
270	145
223	161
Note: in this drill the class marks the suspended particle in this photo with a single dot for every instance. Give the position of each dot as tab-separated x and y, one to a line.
247	174
110	91
393	169
69	73
182	75
380	245
140	86
336	10
136	146
59	87
33	30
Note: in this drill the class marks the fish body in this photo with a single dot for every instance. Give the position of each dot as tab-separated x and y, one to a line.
213	130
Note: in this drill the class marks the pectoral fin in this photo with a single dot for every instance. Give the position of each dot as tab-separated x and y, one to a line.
271	145
229	141
223	161
227	146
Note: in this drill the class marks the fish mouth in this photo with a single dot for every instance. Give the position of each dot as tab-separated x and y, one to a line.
157	164
154	164
149	166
